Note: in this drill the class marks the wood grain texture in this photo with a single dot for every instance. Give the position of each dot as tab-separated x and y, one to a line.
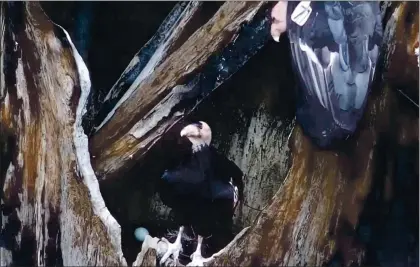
314	216
170	35
48	211
114	145
399	43
251	116
315	213
310	217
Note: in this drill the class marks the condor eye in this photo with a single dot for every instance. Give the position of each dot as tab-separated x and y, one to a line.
274	20
198	125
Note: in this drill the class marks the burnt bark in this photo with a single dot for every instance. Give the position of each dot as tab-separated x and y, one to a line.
136	125
400	42
177	26
316	215
251	116
52	209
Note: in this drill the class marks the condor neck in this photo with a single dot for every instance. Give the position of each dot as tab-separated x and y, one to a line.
197	147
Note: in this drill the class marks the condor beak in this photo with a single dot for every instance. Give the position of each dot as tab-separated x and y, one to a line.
276	37
190	131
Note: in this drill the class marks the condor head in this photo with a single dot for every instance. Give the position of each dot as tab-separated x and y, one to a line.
199	134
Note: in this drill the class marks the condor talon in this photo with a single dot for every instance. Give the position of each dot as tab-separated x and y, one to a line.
196	258
173	248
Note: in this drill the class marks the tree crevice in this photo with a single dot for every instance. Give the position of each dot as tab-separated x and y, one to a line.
318	204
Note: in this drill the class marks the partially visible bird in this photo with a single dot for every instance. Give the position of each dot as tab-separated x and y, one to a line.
335	46
202	190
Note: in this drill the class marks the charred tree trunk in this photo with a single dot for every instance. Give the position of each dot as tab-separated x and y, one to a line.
170	34
158	101
52	209
53	212
315	216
